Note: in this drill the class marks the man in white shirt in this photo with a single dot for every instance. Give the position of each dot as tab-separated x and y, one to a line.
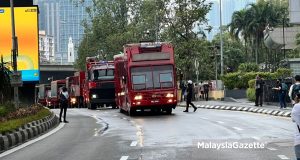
296	118
294	89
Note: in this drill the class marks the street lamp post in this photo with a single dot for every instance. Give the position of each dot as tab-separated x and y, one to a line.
221	40
197	67
14	52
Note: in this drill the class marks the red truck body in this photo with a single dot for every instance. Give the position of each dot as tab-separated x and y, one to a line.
145	77
99	89
75	86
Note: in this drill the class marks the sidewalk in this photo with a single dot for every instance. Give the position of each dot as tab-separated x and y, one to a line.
242	105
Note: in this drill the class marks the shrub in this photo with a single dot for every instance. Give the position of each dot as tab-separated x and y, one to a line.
16	123
251	83
251	94
6	108
248	67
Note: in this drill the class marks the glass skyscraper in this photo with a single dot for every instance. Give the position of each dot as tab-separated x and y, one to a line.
62	20
228	7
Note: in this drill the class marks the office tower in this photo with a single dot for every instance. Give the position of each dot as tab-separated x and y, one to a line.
62	20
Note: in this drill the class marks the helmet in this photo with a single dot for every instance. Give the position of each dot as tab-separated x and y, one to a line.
190	81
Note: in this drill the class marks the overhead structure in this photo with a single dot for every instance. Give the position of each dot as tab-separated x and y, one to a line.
273	38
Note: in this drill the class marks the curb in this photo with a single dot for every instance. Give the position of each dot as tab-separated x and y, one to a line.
27	132
272	112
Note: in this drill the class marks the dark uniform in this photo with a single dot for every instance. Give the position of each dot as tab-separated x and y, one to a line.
189	97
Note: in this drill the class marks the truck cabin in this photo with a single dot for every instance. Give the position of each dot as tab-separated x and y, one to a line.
151	66
102	73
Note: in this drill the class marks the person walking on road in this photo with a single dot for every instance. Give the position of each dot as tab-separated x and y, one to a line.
294	89
282	89
64	102
206	90
258	91
189	97
296	118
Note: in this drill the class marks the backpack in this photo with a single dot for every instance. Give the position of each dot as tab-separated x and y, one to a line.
284	87
62	98
295	91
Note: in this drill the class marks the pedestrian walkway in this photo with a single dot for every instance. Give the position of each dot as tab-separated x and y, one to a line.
242	105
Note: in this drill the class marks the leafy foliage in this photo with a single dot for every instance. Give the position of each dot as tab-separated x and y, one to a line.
248	67
243	79
250	94
5	88
251	22
115	23
16	122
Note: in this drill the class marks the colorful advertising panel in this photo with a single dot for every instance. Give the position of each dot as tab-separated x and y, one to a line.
26	26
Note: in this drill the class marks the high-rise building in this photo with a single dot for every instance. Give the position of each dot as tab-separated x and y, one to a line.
228	8
62	19
46	47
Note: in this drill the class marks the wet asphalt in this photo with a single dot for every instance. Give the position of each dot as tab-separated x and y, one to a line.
106	134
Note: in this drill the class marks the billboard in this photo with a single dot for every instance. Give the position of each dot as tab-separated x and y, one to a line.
26	26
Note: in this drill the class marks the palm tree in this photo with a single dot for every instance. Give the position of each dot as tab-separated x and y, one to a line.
250	23
237	27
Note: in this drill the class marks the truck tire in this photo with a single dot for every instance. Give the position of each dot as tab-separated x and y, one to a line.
121	110
91	106
169	111
131	112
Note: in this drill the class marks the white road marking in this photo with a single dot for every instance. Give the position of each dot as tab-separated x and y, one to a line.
133	144
115	115
60	126
272	149
124	157
221	122
97	132
282	157
237	128
204	118
124	118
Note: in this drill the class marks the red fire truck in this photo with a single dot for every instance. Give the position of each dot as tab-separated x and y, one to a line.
56	86
145	77
75	86
99	87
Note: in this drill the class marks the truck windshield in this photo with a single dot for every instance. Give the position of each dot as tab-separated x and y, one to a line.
103	74
154	77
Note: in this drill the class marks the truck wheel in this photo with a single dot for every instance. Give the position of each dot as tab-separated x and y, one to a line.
131	112
121	110
169	110
91	106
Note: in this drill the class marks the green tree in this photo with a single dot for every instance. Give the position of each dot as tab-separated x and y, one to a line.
251	22
182	16
118	22
233	50
248	67
5	88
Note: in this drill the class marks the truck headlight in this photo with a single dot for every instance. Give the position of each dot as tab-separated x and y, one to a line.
170	95
73	100
139	97
94	95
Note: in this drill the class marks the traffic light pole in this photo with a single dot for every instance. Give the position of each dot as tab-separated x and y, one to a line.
14	52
